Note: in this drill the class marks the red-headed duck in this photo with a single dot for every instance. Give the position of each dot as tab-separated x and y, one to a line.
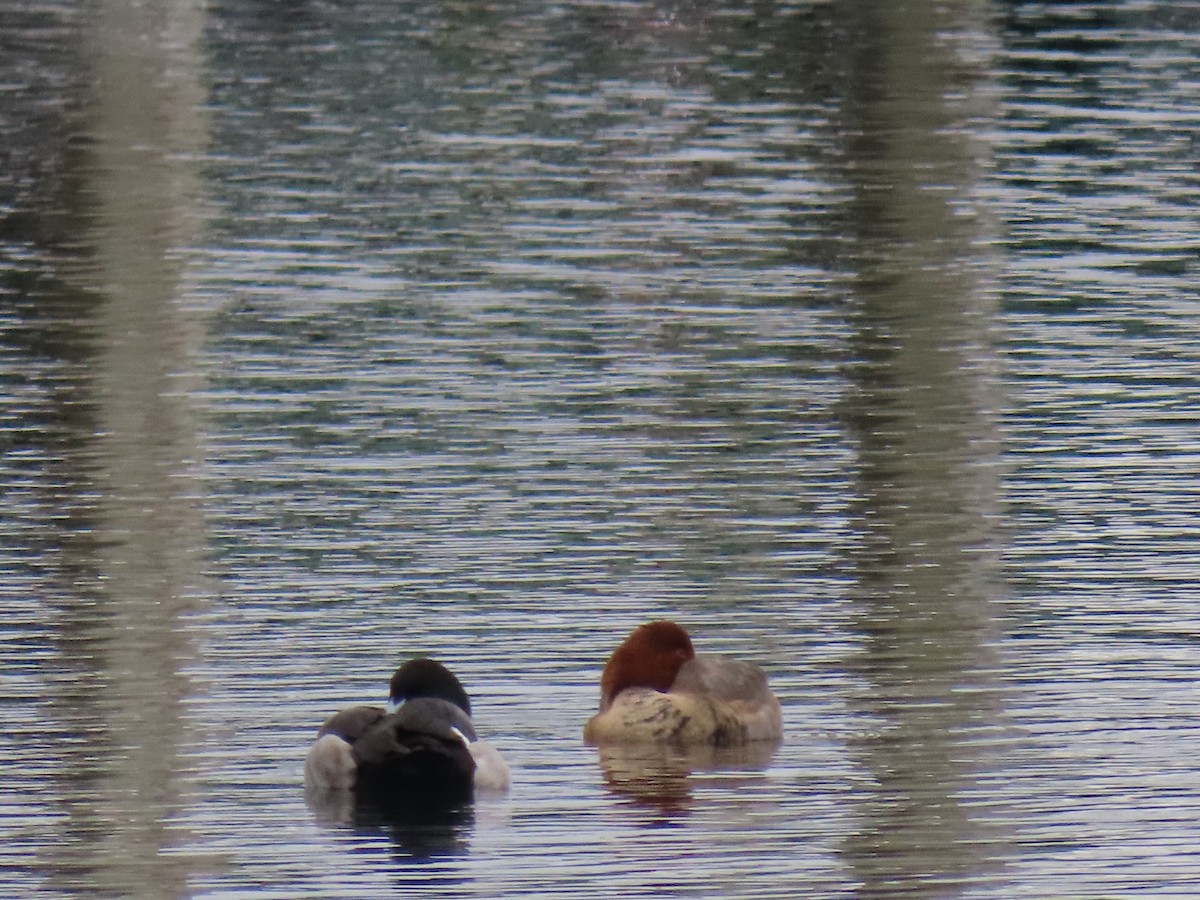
421	748
655	689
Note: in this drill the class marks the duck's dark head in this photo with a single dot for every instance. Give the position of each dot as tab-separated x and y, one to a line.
426	678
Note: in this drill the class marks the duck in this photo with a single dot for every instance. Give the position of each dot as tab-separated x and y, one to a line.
655	688
421	747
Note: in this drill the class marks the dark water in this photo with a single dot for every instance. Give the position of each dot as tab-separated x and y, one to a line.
863	339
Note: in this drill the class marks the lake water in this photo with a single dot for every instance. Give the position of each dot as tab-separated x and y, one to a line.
862	339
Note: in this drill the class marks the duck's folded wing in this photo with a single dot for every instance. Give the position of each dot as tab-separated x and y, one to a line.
737	692
414	753
722	678
431	716
352	723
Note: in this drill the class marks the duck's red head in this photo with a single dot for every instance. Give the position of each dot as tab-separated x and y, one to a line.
650	657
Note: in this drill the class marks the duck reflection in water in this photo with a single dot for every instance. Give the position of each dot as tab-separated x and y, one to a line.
661	777
413	767
418	832
666	712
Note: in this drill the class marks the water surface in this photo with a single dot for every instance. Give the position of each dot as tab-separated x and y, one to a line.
861	341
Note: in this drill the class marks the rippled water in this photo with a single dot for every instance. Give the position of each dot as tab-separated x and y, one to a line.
860	338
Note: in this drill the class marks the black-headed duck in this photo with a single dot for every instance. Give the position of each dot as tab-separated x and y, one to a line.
422	748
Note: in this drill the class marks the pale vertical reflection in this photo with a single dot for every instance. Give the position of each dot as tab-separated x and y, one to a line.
126	640
922	416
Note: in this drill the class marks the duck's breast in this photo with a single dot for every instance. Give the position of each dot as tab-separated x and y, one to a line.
645	715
